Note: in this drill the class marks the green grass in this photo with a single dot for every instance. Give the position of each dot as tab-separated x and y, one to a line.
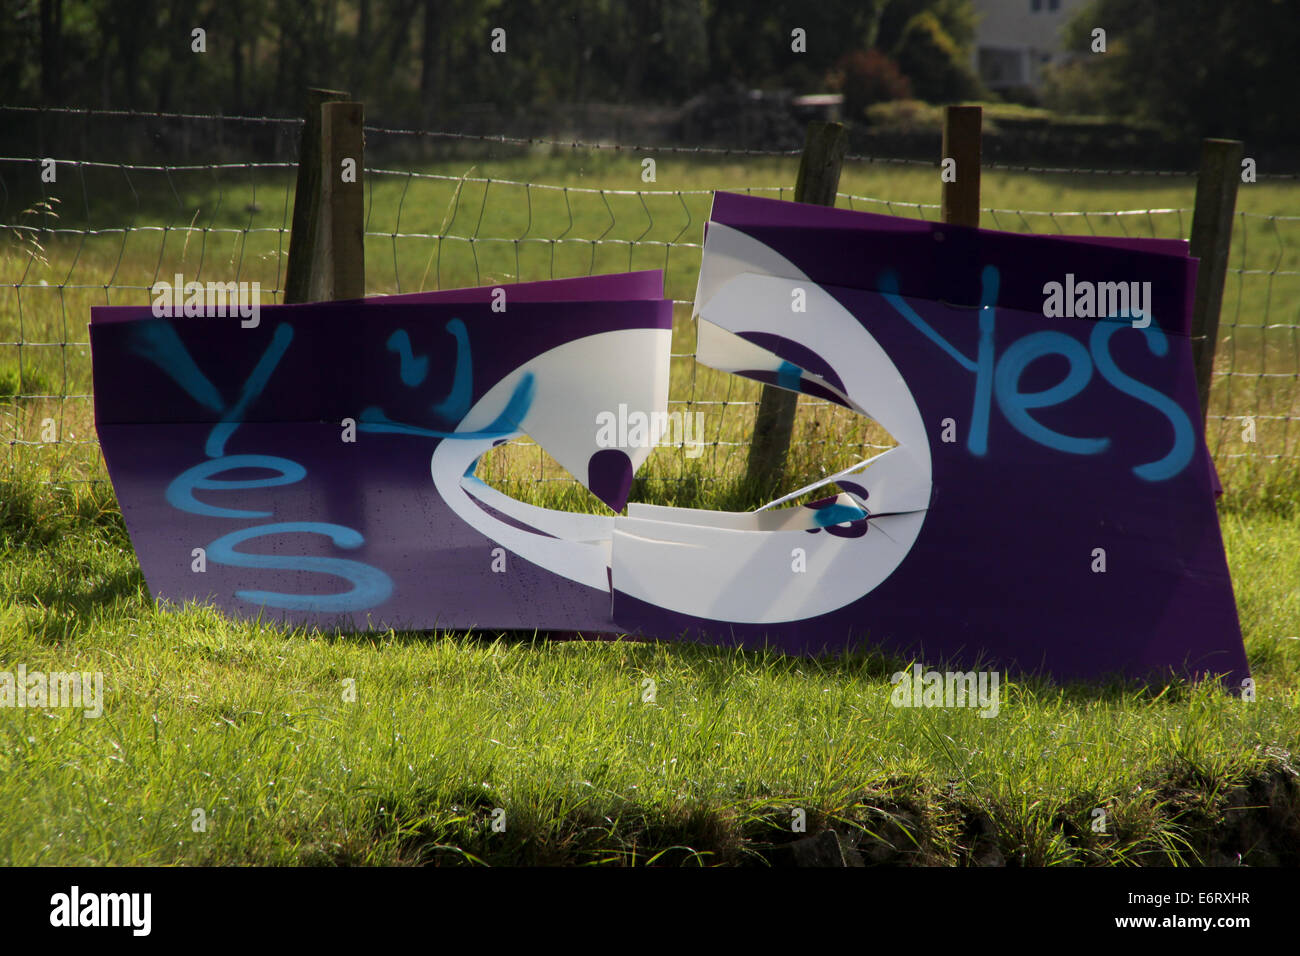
249	723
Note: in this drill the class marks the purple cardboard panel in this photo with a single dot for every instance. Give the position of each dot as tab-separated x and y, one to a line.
334	360
359	540
946	263
647	285
742	211
1070	442
1030	449
231	440
1003	570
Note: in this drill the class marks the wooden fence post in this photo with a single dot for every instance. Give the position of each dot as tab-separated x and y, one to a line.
818	181
343	189
1216	200
962	130
327	243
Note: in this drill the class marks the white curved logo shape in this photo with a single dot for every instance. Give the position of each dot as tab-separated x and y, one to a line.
764	567
720	568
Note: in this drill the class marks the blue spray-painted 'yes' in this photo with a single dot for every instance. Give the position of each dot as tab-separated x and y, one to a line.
159	343
413	370
998	379
1015	404
456	405
180	493
1184	438
507	423
978	440
370	586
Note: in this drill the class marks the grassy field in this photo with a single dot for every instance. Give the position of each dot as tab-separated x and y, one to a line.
253	726
256	726
495	229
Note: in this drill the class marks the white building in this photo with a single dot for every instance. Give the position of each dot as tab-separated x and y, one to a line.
1015	39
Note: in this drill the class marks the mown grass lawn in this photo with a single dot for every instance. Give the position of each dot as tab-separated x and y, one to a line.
251	731
557	741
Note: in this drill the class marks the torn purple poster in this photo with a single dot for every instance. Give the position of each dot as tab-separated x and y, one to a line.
1047	506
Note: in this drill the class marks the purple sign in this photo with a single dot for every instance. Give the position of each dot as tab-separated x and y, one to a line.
1048	505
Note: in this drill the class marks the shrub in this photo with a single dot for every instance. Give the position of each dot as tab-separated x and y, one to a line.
866	77
1077	86
934	63
905	115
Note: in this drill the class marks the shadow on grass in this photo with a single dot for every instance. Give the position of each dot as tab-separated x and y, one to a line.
468	825
81	596
864	662
39	514
1253	821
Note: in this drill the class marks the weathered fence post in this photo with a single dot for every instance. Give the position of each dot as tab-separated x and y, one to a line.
327	244
962	130
819	179
1216	200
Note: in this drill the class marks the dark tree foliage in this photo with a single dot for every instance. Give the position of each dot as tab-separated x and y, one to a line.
868	77
927	54
419	59
1198	67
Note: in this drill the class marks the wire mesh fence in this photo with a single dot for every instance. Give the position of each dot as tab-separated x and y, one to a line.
81	232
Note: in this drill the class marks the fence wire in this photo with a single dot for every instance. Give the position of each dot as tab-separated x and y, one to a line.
102	233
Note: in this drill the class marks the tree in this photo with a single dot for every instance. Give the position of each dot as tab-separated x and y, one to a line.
933	61
51	50
866	77
1197	67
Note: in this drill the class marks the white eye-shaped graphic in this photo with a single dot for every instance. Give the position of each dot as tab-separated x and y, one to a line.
737	567
728	567
572	387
